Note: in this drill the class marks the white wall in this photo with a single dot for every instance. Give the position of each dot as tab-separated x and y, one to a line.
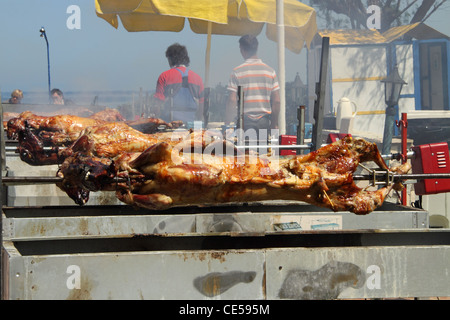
357	72
405	62
438	207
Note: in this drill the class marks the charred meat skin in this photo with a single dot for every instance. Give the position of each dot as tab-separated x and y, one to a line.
32	150
83	175
64	124
161	177
37	134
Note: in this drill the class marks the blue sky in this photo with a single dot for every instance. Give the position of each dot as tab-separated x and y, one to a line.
99	57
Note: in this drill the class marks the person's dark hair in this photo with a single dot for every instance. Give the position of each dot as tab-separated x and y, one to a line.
249	43
177	54
57	91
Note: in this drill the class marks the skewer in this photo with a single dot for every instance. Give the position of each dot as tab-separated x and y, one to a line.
379	176
400	177
9	181
13	149
395	156
328	198
21	181
398	156
275	146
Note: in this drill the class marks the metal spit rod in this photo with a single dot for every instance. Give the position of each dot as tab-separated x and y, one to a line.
13	149
10	149
416	176
379	176
397	156
276	146
394	156
11	181
21	181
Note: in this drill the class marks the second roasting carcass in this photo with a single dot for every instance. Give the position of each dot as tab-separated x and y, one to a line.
61	130
106	140
42	139
162	177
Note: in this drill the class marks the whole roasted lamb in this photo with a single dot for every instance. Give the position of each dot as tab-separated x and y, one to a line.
169	174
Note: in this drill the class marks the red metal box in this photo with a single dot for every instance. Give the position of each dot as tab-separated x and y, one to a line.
333	137
429	159
287	140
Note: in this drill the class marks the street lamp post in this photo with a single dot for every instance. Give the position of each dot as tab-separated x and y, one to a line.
44	35
393	87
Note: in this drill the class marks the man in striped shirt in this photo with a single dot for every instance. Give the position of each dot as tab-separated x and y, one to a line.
261	89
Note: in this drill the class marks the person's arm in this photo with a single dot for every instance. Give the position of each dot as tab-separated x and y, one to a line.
275	101
199	114
159	97
157	107
200	102
231	108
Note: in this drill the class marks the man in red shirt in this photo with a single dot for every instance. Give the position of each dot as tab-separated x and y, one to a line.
179	91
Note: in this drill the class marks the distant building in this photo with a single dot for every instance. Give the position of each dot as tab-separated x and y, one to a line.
360	59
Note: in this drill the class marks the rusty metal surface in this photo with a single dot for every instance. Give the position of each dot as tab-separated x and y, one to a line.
233	274
366	272
230	274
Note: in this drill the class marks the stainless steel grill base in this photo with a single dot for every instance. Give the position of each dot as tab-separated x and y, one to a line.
52	222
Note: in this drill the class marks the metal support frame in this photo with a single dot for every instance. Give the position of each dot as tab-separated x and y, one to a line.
301	127
2	166
44	35
321	93
403	125
240	116
388	132
206	105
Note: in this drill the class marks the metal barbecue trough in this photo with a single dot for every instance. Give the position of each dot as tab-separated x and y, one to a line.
264	250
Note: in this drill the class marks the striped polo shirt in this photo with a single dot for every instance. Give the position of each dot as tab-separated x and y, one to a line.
258	81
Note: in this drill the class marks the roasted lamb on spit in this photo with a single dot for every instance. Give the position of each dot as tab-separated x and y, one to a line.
78	111
164	176
106	140
72	125
41	138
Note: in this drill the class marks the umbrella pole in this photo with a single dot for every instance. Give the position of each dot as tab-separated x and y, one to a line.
208	54
281	66
206	84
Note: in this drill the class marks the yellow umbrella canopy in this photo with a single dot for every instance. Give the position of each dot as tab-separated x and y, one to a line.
250	16
160	15
226	17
